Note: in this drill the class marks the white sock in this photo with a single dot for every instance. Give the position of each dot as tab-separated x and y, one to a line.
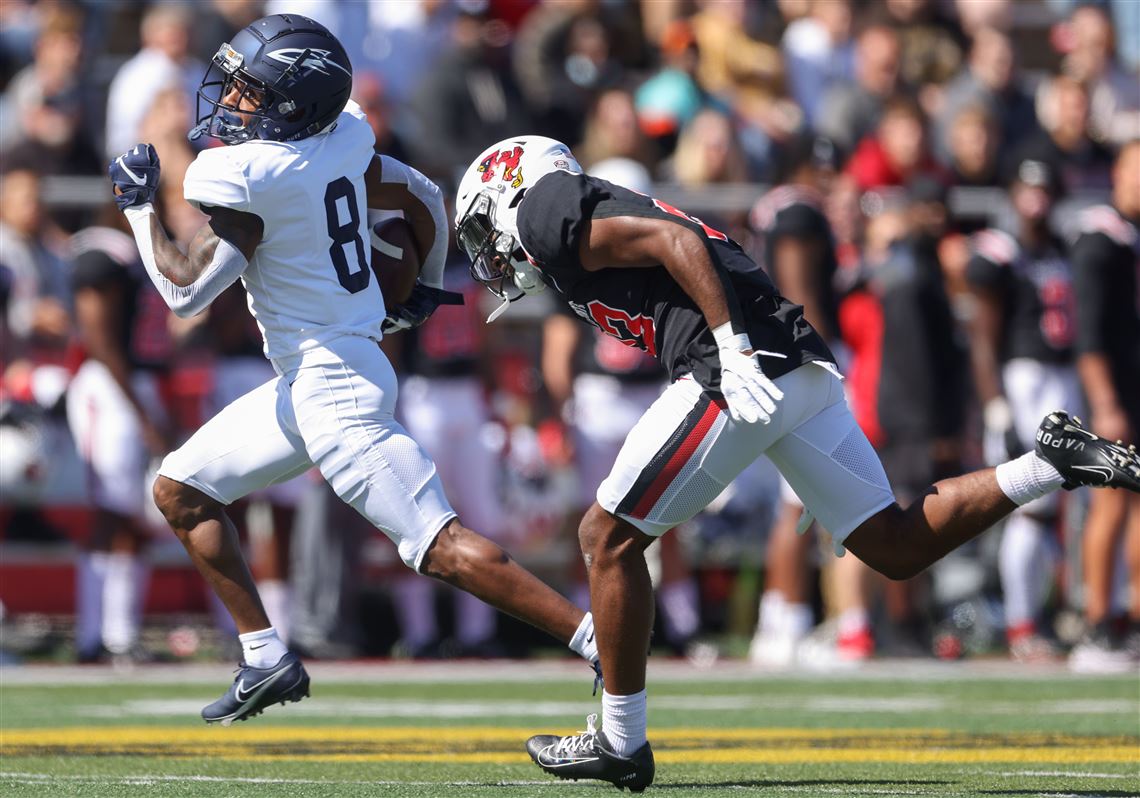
624	721
122	592
276	598
474	619
262	649
1022	563
91	575
797	620
853	621
1027	478
771	611
681	616
583	643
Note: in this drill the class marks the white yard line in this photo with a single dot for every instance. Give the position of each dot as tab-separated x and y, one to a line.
526	671
148	779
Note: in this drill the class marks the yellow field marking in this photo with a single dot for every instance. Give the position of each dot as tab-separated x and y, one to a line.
475	744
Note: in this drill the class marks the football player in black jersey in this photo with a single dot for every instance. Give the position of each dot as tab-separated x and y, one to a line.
1106	270
750	377
1021	345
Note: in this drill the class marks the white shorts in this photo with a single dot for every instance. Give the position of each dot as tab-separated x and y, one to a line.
448	417
234	377
109	437
1035	389
333	407
604	411
685	450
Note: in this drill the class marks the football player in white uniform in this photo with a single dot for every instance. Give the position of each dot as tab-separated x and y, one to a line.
287	203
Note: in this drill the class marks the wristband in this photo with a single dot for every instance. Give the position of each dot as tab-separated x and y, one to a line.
726	339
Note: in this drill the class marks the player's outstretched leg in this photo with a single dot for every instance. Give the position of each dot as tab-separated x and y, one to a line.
269	673
589	755
901	543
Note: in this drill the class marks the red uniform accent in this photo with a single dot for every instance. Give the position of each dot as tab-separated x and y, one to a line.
677	461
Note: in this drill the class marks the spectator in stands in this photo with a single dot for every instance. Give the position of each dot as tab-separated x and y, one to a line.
612	132
746	75
668	100
1114	94
467	97
567	52
707	152
849	111
818	53
975	16
973	146
898	151
371	94
119	423
1108	361
931	42
46	115
1021	344
31	249
164	62
990	80
1084	164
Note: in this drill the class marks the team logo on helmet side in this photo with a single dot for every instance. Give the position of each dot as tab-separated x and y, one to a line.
313	59
509	160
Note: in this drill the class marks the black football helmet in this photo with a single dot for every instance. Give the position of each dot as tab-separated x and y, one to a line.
295	71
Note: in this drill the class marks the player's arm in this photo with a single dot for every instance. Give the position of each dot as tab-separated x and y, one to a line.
795	263
392	185
219	252
637	241
560	336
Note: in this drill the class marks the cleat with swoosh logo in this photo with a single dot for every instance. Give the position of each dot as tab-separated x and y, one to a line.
1085	459
254	689
588	755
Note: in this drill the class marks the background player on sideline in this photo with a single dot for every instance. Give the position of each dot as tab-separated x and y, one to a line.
287	203
652	276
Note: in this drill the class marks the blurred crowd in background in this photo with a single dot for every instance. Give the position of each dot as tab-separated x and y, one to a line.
911	150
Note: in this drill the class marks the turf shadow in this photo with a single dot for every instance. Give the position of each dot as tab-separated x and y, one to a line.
854	783
1068	791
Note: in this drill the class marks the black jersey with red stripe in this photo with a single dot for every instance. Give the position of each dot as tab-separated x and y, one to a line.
645	307
598	353
108	260
1035	287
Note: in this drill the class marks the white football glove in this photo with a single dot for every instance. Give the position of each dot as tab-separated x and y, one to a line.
751	397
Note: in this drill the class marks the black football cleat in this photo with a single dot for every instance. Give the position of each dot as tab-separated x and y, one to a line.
588	755
1085	459
254	689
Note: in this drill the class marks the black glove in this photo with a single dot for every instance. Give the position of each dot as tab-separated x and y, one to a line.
420	305
135	174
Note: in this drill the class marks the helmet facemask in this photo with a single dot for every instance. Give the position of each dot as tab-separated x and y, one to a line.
228	122
498	261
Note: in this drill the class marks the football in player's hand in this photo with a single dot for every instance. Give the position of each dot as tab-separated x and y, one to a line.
395	260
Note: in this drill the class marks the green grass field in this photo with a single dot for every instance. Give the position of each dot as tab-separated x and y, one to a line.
458	730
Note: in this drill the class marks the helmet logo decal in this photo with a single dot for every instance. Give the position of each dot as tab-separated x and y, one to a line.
314	59
509	160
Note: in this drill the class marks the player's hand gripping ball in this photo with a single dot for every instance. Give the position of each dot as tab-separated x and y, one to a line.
135	176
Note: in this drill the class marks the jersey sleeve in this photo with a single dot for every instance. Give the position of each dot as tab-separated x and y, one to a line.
215	180
992	253
553	215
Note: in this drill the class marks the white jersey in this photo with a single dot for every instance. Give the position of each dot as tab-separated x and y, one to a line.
309	280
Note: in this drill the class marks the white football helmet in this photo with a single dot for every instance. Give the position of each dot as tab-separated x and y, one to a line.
486	211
